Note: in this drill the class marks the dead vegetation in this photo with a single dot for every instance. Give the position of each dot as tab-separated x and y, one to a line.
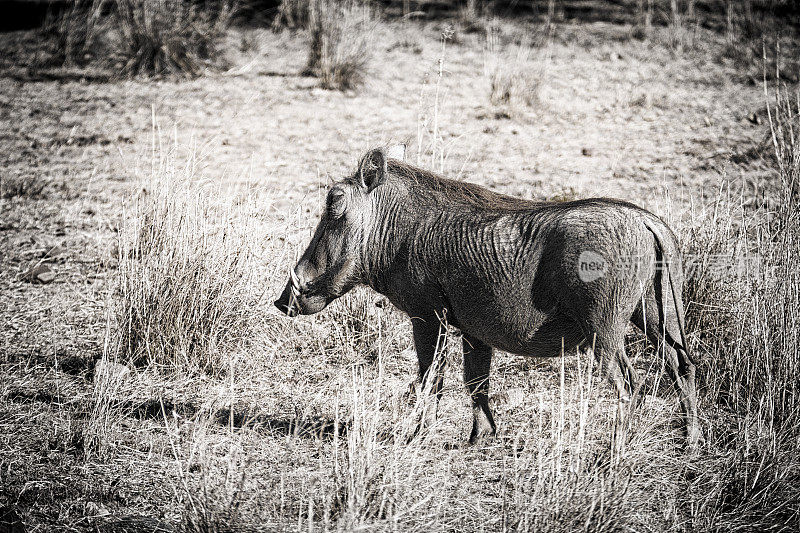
170	36
185	274
744	309
77	31
142	37
516	73
340	36
28	186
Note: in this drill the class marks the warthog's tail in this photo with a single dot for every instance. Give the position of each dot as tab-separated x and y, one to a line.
665	269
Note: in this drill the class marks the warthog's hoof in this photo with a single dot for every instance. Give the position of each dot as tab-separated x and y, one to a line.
482	438
482	432
483	428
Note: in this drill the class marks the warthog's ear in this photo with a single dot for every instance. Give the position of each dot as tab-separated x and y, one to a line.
398	151
372	169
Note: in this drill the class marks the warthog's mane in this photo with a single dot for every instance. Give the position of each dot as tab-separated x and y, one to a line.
423	183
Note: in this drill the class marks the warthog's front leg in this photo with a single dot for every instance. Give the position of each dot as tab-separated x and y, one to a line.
477	364
431	368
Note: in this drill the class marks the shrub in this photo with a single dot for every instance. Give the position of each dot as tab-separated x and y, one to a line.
292	14
28	186
170	36
142	37
78	31
514	82
339	51
185	280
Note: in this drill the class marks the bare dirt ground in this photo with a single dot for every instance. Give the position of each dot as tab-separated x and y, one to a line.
613	116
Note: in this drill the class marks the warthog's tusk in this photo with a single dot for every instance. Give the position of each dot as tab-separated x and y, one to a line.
292	301
294	290
295	281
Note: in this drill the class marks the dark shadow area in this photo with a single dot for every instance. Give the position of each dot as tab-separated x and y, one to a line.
309	427
18	15
238	417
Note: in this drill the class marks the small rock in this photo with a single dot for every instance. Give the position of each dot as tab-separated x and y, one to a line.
46	277
707	121
588	152
96	510
105	369
40	273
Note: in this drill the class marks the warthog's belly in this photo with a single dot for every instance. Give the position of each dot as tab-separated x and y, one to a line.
525	332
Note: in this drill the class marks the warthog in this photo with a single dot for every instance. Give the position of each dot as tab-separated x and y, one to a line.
530	278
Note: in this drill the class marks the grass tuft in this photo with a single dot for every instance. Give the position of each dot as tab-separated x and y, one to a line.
339	46
78	31
24	186
185	277
744	307
170	36
142	37
292	14
515	77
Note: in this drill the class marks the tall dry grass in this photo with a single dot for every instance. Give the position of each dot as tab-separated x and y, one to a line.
143	37
186	273
292	14
79	30
516	72
745	311
171	36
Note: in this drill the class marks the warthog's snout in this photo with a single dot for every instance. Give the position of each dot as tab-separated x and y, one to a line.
305	293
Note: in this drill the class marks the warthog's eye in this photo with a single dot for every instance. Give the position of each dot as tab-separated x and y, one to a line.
336	202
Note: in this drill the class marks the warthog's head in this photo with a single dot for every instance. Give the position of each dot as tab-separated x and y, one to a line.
333	263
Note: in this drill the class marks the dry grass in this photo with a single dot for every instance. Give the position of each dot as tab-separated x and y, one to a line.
745	309
27	186
340	42
292	14
515	75
185	273
170	36
78	31
143	37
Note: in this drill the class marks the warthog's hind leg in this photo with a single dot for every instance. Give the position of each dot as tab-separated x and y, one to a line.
609	350
680	367
477	364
